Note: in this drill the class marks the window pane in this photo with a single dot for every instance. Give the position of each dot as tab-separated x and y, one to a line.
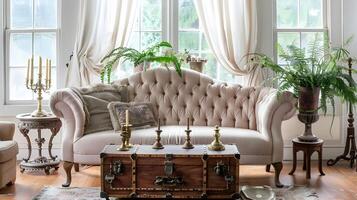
286	39
308	39
45	13
21	14
45	46
149	39
225	75
204	44
210	67
287	13
18	90
134	41
20	48
151	15
189	41
311	14
188	18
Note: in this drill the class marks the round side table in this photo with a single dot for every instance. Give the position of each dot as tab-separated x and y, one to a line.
308	148
27	122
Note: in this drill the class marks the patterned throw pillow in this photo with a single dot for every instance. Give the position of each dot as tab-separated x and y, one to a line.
141	115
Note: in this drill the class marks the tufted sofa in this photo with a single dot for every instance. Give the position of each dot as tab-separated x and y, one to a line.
249	117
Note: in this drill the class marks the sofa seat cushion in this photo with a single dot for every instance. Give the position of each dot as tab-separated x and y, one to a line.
8	150
249	142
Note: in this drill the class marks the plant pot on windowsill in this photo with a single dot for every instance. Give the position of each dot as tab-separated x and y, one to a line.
308	111
142	67
197	65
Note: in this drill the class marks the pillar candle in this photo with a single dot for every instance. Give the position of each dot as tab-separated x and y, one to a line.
40	67
31	69
158	124
28	71
127	117
188	123
46	71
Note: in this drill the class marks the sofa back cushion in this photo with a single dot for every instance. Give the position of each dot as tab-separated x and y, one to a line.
95	102
193	95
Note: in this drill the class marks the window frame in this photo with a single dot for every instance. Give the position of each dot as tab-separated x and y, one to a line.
300	30
6	48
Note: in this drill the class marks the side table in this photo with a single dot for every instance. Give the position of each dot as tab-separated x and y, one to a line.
27	122
308	148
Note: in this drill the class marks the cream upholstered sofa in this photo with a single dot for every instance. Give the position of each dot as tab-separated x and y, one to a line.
8	152
249	117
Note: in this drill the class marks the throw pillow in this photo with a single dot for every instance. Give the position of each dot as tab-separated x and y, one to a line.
95	101
141	115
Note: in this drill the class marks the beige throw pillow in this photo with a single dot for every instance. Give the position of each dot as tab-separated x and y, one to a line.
141	115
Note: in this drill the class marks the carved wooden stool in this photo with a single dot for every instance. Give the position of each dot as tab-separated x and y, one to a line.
27	122
308	148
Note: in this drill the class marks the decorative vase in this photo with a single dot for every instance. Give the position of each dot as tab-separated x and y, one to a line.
197	65
142	67
308	111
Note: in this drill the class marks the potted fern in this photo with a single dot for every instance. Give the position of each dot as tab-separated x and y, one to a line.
140	59
315	77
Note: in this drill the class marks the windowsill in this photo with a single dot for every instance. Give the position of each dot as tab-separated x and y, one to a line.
13	110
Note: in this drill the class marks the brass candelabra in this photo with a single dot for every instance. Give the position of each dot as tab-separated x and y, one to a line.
38	87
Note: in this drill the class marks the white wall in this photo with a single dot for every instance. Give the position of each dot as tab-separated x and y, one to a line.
344	24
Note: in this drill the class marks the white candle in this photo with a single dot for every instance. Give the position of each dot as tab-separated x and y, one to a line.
46	71
40	67
31	68
158	124
188	123
49	73
28	71
127	117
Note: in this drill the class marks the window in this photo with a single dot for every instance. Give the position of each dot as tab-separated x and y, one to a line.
31	30
175	21
299	22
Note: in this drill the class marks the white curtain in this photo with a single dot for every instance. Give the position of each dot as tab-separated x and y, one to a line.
103	25
230	27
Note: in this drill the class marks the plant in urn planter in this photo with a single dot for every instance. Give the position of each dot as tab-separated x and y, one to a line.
315	75
141	59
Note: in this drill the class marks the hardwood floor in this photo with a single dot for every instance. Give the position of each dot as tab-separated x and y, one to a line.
340	181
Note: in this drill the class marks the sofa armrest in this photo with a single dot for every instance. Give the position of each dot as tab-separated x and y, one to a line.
7	130
66	105
271	110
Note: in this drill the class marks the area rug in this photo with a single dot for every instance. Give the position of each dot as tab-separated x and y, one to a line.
92	193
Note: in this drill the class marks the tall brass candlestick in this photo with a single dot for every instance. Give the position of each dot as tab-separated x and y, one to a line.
188	144
38	87
157	144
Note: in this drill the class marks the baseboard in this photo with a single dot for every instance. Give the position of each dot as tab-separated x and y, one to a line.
328	153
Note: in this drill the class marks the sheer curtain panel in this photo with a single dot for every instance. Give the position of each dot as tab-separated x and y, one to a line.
230	27
103	25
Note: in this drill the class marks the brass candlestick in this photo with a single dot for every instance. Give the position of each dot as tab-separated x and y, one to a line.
125	137
188	144
157	144
216	145
38	87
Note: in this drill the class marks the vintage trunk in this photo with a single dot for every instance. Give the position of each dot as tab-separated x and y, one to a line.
171	172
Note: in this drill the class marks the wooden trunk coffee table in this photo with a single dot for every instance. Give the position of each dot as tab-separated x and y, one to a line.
172	172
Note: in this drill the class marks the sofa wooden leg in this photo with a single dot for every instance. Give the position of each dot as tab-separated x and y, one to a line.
67	168
277	168
267	168
76	167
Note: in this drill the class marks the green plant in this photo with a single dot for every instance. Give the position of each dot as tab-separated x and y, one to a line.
151	54
319	66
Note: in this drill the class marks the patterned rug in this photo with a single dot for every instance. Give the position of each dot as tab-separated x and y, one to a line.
92	193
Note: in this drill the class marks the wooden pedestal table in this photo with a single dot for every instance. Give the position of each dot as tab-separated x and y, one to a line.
308	148
27	122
